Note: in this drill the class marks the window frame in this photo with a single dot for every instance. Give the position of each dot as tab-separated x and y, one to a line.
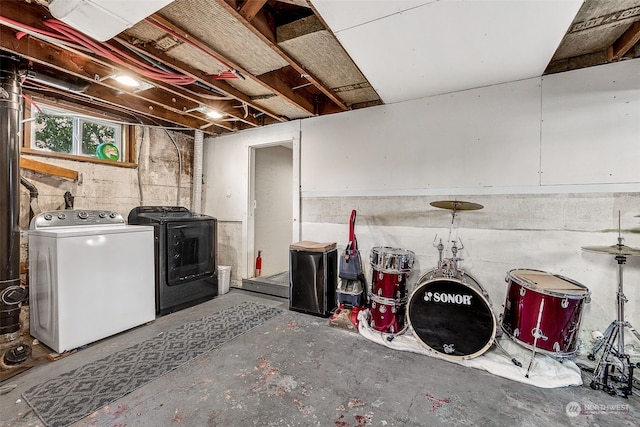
80	114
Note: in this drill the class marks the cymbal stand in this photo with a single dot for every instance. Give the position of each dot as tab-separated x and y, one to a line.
453	218
613	356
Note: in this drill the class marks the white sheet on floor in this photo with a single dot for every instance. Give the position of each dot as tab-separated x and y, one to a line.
545	372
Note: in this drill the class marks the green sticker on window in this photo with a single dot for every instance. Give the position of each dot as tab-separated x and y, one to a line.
108	151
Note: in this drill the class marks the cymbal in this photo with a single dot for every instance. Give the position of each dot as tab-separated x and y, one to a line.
622	250
456	205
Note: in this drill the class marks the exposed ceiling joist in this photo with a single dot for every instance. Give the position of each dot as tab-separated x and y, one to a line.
301	102
186	69
81	64
151	102
625	42
268	35
250	9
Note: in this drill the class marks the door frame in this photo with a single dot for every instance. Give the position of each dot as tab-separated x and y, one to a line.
248	241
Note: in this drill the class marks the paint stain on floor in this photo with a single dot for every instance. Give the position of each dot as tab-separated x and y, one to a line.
436	403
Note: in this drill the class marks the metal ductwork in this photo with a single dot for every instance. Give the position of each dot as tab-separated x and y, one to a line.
77	86
10	97
33	197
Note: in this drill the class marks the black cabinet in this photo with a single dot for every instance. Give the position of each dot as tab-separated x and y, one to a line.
312	280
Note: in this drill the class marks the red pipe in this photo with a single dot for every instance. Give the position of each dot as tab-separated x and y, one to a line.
68	34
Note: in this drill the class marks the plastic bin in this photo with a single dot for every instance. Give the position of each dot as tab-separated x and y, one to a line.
224	278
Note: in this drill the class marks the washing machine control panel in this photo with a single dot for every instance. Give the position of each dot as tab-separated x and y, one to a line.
70	218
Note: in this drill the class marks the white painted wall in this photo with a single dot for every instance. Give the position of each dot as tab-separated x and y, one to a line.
476	138
552	159
226	173
591	125
575	128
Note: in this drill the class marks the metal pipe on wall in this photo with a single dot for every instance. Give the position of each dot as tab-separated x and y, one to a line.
196	205
10	96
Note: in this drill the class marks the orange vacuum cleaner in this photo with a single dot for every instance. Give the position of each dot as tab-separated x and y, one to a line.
351	291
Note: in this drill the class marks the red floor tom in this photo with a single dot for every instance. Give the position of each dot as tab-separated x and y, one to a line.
544	310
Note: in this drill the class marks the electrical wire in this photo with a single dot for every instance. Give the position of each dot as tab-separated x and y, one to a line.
179	166
110	52
144	135
64	33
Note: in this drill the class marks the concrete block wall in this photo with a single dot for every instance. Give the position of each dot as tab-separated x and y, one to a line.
230	248
116	188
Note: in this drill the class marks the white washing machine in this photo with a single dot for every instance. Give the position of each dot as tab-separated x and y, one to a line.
90	276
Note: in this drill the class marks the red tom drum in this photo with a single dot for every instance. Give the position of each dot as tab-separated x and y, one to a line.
391	267
544	311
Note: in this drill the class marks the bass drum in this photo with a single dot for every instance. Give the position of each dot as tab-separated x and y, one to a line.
452	315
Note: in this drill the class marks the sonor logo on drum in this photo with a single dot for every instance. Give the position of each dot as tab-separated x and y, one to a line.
447	298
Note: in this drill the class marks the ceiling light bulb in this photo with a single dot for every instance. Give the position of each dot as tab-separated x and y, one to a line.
127	80
214	114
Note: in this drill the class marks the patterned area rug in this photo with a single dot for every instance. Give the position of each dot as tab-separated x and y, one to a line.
76	394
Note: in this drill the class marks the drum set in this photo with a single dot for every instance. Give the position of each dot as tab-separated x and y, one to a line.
450	313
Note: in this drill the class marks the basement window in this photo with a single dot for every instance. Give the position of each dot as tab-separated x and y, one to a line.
59	132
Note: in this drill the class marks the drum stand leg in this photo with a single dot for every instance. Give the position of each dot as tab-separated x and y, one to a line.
613	356
513	359
536	334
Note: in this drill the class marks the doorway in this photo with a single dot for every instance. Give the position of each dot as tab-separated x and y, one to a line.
272	207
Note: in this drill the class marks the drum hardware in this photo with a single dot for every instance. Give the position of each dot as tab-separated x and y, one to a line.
448	266
537	333
513	359
613	358
454	206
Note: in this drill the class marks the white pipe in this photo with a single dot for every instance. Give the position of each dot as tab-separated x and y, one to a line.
198	144
143	160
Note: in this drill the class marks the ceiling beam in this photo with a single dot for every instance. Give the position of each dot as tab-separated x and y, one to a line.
188	70
625	42
260	29
79	63
167	26
300	3
68	63
576	62
250	9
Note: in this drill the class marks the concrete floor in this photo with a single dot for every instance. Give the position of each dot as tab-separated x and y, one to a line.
296	370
